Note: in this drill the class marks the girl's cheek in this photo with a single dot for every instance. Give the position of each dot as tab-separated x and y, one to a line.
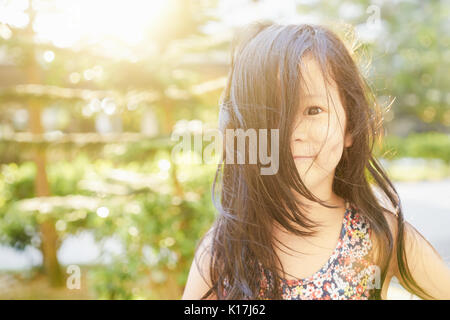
319	132
332	149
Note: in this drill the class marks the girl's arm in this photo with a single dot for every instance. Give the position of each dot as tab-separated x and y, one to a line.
196	286
427	267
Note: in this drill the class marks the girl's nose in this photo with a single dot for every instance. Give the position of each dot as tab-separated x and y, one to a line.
301	131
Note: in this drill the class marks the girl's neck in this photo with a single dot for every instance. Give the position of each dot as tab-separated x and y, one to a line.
327	217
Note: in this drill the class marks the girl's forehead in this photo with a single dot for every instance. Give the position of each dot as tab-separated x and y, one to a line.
313	80
315	87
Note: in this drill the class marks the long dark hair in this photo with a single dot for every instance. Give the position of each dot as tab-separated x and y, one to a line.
262	91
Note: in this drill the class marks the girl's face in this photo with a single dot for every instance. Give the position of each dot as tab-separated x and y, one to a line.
319	129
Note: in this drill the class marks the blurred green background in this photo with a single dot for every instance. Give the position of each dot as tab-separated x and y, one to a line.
90	92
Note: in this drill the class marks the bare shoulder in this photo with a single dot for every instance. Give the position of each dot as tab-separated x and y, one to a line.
199	282
392	221
427	267
414	242
410	236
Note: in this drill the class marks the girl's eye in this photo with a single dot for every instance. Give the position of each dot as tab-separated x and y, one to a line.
317	110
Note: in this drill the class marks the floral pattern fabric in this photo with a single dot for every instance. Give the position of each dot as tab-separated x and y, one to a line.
348	274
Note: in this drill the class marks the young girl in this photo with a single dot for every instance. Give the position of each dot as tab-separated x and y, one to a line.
329	223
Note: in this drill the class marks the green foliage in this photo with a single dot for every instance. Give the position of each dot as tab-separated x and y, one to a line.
115	280
17	232
64	176
158	229
18	183
429	145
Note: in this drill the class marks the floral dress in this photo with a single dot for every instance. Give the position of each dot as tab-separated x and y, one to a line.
348	274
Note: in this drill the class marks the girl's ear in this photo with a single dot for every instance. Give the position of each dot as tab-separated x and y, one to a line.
348	141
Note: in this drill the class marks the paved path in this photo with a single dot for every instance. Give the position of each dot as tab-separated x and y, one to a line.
426	205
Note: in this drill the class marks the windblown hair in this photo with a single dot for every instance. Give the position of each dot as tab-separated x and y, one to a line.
263	91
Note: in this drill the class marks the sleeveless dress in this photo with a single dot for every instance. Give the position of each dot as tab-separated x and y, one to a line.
349	273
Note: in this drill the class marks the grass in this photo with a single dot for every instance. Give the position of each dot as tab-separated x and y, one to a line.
33	285
16	286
